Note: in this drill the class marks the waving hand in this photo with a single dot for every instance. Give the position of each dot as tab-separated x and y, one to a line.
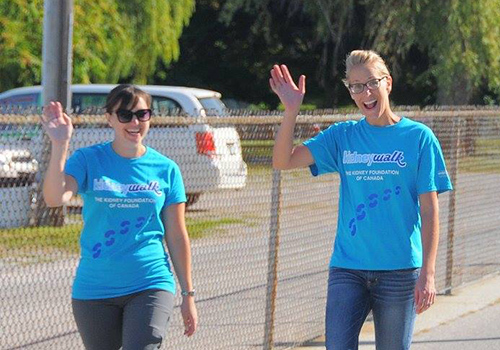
289	93
56	123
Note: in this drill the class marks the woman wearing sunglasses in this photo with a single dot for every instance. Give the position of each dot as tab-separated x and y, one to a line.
391	171
123	292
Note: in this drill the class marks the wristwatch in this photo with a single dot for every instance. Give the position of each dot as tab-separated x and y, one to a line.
188	293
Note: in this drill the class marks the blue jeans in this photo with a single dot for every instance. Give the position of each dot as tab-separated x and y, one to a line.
388	294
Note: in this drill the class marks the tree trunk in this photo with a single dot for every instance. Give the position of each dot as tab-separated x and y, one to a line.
459	94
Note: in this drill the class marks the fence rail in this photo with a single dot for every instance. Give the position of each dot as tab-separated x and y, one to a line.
261	244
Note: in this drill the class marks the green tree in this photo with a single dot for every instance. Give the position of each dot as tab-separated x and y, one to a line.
458	38
235	56
157	26
325	29
462	38
20	42
112	40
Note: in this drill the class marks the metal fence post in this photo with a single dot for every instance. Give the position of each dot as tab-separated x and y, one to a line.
272	266
454	155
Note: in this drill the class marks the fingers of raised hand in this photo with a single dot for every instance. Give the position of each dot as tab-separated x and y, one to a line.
272	85
52	111
46	114
53	115
278	74
281	76
302	84
287	76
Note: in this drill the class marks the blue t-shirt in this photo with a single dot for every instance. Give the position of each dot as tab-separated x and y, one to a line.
382	172
121	240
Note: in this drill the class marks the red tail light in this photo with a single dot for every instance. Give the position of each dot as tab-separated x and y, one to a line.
205	143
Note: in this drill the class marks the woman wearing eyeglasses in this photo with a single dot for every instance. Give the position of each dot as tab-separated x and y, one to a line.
391	171
123	292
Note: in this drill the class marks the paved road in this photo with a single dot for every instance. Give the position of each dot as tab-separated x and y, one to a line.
477	331
466	319
230	267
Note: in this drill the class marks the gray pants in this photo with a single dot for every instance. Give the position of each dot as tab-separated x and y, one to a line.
137	321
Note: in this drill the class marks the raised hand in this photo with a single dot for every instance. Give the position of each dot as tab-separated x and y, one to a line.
56	123
289	93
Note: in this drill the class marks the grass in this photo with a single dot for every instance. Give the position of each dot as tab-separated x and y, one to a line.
257	143
40	239
258	155
263	171
26	241
481	164
262	144
486	158
199	228
490	146
257	151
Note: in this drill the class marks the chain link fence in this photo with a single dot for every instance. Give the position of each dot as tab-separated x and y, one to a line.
261	239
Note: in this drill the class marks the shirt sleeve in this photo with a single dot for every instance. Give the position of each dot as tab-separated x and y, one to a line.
432	174
324	149
76	166
177	192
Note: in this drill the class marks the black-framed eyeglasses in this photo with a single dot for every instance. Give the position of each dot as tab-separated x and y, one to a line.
125	115
358	88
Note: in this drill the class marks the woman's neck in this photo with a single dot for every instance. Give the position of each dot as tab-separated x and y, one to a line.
129	151
387	118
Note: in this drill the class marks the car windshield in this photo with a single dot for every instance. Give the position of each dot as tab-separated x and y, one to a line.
165	106
22	101
88	102
213	106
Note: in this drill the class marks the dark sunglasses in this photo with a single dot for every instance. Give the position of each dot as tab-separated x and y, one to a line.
125	115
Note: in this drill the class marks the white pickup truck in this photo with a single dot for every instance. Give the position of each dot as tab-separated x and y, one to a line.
209	157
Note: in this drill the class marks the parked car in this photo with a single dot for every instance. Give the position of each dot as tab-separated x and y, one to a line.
210	157
85	97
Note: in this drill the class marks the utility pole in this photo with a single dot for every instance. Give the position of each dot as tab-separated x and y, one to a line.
57	52
57	56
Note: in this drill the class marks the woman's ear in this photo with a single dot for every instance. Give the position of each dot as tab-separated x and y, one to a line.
388	84
108	118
